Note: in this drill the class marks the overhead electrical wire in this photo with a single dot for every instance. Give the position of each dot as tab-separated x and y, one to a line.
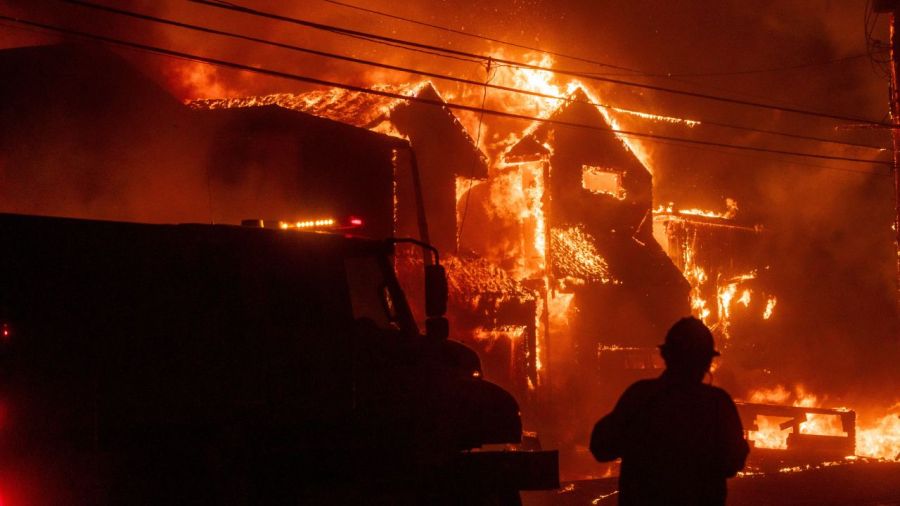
486	84
726	152
597	76
675	77
482	37
765	70
632	72
439	103
591	61
458	53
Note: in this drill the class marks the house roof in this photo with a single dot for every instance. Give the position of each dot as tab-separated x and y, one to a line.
537	139
362	110
359	109
276	117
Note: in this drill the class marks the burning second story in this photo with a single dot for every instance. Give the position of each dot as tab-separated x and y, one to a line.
592	200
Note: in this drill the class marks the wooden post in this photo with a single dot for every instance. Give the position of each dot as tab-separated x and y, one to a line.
893	7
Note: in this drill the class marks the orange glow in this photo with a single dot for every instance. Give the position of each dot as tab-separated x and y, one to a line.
510	332
559	305
200	80
322	224
656	117
880	438
575	255
516	195
770	435
696	277
731	207
602	182
770	307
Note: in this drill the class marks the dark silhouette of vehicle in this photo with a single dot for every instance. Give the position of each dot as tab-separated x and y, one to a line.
213	364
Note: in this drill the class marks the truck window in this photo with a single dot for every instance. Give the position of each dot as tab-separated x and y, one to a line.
369	293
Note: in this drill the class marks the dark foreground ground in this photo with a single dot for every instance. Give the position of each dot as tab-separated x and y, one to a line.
864	483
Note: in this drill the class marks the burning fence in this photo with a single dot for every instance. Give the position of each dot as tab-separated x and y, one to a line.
791	425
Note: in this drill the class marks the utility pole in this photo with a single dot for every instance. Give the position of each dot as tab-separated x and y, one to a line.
893	7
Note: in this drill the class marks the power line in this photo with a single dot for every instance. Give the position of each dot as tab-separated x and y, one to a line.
630	71
482	37
462	220
780	160
418	46
766	70
439	103
434	75
588	60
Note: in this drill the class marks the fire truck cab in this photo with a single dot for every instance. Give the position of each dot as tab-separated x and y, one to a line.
214	364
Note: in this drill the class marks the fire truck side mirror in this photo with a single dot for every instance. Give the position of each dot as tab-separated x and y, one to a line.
435	291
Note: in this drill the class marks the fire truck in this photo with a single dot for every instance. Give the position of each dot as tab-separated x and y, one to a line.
231	365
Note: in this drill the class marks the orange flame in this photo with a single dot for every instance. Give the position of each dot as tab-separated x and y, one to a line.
879	438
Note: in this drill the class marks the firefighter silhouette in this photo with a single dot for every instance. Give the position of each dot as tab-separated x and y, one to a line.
679	439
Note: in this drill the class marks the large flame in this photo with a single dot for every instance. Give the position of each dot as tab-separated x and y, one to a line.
880	438
876	438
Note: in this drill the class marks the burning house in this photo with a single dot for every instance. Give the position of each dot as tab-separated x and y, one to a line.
587	234
86	134
489	309
724	259
444	151
273	163
561	273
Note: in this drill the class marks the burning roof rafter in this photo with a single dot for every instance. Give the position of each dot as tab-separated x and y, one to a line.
364	110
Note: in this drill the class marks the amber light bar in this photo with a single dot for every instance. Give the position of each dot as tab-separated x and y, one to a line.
344	223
